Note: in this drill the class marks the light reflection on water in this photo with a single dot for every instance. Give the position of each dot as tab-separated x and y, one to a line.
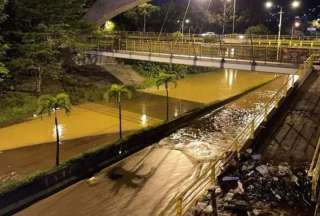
215	132
61	131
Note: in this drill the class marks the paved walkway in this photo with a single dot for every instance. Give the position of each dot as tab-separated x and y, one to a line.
295	138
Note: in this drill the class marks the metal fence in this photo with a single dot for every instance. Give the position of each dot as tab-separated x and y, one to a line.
251	52
166	35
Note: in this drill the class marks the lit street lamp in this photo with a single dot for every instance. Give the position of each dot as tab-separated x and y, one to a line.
184	17
296	24
269	4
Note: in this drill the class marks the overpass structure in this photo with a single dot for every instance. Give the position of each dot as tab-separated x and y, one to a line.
255	57
103	10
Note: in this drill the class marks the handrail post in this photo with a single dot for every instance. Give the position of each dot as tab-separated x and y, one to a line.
179	206
213	174
252	129
265	112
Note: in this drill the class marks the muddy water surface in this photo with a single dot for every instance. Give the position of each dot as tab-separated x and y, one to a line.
145	109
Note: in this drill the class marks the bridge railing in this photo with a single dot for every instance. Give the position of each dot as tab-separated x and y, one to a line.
188	197
197	50
165	35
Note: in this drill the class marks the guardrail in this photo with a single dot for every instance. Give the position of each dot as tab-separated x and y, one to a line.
189	196
250	52
225	36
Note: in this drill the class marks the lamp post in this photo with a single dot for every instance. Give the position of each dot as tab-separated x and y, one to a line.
184	17
269	5
296	24
188	22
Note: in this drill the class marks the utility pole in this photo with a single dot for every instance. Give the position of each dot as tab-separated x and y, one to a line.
279	33
224	15
234	15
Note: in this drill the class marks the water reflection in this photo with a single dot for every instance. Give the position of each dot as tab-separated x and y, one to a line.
230	76
144	120
60	131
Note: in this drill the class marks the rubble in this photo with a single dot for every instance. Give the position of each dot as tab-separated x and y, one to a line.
252	188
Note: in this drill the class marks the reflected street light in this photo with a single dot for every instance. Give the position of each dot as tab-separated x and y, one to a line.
269	5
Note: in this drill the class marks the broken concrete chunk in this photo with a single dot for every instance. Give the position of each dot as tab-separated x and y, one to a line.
256	157
263	170
230	178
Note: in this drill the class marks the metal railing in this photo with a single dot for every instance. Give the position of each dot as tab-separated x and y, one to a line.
251	52
191	194
166	35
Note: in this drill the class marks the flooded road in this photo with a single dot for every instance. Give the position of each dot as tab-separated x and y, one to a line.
93	125
147	108
151	178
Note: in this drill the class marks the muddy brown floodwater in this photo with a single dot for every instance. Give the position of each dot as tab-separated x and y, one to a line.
92	125
145	183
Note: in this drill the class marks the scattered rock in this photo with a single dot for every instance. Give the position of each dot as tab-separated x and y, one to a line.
263	170
230	178
256	157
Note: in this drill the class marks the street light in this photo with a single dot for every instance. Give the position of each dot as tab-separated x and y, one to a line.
295	4
296	24
184	17
269	5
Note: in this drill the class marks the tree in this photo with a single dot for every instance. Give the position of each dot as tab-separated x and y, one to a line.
316	23
221	14
144	10
3	70
48	104
258	30
165	79
117	91
46	36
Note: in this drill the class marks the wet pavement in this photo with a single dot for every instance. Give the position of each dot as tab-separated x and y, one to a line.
146	182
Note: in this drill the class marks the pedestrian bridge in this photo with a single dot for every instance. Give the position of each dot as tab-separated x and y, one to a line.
262	58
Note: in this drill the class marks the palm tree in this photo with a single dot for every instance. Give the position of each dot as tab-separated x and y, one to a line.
165	79
117	91
48	104
146	10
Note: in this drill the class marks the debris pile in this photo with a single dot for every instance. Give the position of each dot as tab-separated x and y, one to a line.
252	187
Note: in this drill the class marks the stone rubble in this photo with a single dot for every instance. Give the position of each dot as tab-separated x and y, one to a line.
252	188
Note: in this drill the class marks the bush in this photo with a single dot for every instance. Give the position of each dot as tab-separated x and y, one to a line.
152	69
